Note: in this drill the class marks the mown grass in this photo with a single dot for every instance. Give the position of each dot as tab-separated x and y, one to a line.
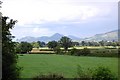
35	64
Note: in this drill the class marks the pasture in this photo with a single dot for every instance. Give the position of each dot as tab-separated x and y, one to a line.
35	64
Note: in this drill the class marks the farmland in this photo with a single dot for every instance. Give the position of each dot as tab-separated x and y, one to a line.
35	64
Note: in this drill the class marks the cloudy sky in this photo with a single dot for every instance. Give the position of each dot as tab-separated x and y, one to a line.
81	18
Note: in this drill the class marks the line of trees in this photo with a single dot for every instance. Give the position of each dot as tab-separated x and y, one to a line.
65	42
25	47
100	43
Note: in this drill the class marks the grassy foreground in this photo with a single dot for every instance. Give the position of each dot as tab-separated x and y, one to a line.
34	64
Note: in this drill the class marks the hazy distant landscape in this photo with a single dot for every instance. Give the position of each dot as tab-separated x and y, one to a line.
108	36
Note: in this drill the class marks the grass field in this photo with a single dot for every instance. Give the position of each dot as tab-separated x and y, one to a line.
34	64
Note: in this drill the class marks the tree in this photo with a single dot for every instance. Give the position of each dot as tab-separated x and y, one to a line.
83	43
75	43
35	44
65	42
10	70
17	47
102	43
52	44
25	47
41	44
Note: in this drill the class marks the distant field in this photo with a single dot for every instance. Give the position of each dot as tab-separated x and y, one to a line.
106	51
33	64
81	47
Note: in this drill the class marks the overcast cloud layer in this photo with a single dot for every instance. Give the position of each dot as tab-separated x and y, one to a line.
81	18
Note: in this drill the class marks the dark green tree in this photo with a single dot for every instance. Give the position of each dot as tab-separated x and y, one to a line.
17	48
35	44
65	42
52	44
102	43
25	47
75	43
41	44
10	70
83	43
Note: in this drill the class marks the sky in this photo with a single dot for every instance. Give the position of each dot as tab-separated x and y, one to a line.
80	18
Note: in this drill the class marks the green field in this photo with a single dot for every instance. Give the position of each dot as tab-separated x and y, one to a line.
34	64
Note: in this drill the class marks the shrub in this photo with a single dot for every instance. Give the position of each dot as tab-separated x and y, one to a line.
103	73
104	53
85	51
73	51
79	52
82	74
58	50
100	73
52	76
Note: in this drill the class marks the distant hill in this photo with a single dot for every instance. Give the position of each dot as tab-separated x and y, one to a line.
55	37
109	36
27	39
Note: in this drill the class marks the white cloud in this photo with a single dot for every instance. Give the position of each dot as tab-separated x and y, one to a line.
39	11
29	12
20	32
41	31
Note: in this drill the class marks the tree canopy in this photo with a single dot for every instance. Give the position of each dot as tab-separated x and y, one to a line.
65	42
10	70
52	44
25	47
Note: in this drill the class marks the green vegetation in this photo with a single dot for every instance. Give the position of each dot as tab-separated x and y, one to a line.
79	52
65	42
10	71
98	73
35	44
50	76
23	47
34	64
52	44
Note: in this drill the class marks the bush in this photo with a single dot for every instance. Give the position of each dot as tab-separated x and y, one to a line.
104	53
78	52
82	74
58	50
52	76
100	73
85	51
103	73
73	51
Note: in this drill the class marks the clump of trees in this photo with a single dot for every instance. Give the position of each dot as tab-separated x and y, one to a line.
64	42
10	70
41	44
38	44
23	47
52	45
